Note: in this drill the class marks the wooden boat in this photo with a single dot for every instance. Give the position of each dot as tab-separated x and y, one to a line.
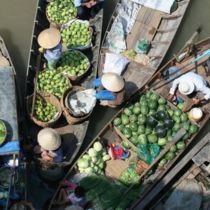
158	29
116	134
191	171
72	135
10	172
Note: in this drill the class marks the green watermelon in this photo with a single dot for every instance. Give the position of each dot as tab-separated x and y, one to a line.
133	118
152	138
142	119
117	121
127	132
127	111
142	139
141	129
153	105
144	110
125	119
162	101
136	110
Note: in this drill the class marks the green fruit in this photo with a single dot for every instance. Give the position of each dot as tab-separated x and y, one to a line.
177	112
186	125
180	106
144	110
148	94
151	121
127	111
134	140
142	119
136	110
160	131
161	115
126	145
133	126
180	145
170	112
173	148
153	105
170	155
133	119
148	130
162	141
177	119
168	123
162	162
152	138
184	117
125	119
127	132
176	127
162	101
117	121
121	127
142	139
154	97
141	129
193	129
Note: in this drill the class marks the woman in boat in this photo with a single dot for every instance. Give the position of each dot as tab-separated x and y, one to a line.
49	147
189	83
87	9
50	42
111	89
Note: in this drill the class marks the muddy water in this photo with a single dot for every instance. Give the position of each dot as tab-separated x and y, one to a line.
16	22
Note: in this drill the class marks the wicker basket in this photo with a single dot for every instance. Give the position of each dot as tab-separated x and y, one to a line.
54	23
76	79
71	119
49	98
82	47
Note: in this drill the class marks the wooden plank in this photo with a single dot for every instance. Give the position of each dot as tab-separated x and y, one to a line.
142	204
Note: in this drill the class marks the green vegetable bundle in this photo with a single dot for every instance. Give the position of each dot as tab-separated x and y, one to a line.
73	63
61	11
3	131
52	82
77	34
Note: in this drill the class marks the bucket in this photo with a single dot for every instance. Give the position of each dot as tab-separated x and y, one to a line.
195	114
48	98
68	113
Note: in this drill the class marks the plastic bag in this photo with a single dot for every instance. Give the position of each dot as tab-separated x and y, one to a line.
148	152
115	63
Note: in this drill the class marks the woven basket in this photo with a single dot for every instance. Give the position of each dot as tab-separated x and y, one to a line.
71	119
76	79
54	23
49	98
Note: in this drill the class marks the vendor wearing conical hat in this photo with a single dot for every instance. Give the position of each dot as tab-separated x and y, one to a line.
189	83
113	92
49	145
50	42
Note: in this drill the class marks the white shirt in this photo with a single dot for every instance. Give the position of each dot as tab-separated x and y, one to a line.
77	3
198	81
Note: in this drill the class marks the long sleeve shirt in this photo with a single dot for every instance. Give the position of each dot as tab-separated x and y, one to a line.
198	81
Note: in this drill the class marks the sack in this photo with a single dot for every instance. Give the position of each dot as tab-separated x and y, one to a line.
148	152
115	63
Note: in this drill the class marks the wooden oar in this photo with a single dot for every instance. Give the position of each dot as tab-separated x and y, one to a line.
35	81
176	138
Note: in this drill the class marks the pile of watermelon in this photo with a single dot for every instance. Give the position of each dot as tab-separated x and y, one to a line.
152	121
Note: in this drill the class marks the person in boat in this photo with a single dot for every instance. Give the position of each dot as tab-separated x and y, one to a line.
50	42
49	147
189	83
70	193
87	8
111	89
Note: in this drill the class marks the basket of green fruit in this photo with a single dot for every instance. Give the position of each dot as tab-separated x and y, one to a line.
69	114
3	132
76	34
61	11
74	64
47	109
53	82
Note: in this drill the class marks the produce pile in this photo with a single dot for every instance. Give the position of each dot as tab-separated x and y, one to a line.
53	82
76	34
73	63
3	131
61	11
152	121
94	160
44	111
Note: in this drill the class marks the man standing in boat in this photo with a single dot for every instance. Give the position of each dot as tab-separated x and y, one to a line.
189	83
111	89
49	147
87	9
50	42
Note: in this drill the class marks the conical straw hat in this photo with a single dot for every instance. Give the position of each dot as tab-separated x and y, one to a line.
49	38
112	82
49	139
